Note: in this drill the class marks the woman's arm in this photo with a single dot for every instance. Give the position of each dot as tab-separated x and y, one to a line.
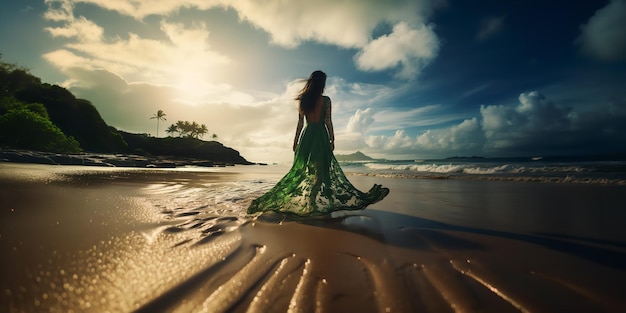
298	129
329	125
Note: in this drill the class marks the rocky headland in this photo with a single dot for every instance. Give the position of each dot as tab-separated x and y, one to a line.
111	160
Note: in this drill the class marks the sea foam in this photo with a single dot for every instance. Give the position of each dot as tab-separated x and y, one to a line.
536	170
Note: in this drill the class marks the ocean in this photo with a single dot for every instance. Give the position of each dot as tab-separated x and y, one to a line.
580	169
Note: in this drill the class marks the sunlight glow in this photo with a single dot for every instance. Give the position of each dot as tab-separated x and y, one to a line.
192	86
192	63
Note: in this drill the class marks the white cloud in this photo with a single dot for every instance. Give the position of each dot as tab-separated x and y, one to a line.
81	28
398	143
402	118
347	97
59	10
290	22
533	125
135	8
184	61
530	123
408	48
490	27
466	137
604	35
360	121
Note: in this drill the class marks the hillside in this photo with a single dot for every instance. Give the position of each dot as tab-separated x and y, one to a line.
78	120
357	156
183	148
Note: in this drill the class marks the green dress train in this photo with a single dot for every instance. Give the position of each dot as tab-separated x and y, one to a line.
315	184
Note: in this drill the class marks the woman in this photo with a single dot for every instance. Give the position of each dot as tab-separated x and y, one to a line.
315	185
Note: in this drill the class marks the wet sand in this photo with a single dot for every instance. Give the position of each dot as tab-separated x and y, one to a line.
119	240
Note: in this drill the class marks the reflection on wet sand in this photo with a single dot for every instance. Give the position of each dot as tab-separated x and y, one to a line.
166	241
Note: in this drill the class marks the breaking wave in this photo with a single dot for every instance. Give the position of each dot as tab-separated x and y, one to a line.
609	172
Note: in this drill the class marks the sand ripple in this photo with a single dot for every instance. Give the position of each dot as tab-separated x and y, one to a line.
196	250
349	262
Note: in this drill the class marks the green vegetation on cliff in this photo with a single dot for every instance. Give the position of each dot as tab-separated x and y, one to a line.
28	127
77	118
43	117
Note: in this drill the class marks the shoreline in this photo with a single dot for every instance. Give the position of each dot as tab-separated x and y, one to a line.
106	159
123	239
511	178
130	160
125	160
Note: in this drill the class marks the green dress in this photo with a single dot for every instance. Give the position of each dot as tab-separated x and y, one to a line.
315	184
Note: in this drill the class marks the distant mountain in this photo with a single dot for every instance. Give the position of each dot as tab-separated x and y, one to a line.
357	156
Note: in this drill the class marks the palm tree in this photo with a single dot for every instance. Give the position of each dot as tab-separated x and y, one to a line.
171	130
159	116
184	128
202	130
193	133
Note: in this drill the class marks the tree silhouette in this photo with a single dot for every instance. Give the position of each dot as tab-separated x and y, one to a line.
202	130
189	129
172	130
193	131
183	128
159	116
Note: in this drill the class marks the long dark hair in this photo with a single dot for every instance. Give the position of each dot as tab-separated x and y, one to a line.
312	90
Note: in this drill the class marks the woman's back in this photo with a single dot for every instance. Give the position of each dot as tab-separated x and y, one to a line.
316	115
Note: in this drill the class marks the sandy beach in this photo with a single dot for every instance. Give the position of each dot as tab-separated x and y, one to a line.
96	239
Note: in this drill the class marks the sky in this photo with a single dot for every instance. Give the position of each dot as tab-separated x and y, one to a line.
408	79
